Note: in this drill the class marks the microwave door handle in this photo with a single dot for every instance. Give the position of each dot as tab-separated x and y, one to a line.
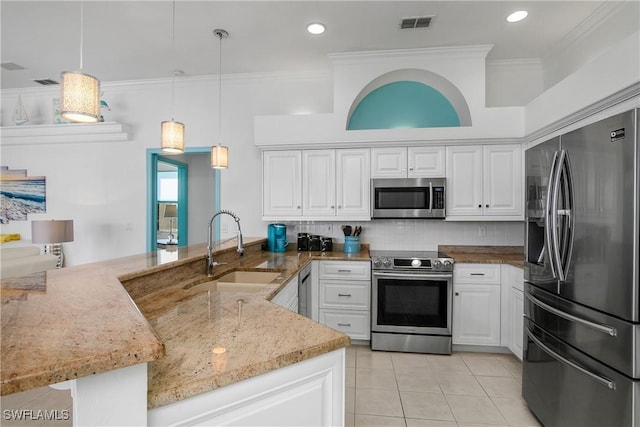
430	196
547	216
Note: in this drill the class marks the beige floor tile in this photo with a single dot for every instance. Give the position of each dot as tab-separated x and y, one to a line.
350	377
501	386
373	360
414	422
349	420
486	366
480	425
514	367
416	379
452	364
350	357
410	360
474	409
363	420
460	384
378	402
376	378
350	400
516	412
432	406
17	400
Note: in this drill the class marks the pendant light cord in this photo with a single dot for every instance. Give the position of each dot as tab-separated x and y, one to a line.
81	32
220	93
173	53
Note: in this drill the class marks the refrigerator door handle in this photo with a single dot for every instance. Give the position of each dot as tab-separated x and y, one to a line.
602	380
568	220
555	247
598	327
548	229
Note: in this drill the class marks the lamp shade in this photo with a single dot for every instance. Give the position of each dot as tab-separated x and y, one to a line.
219	157
170	211
172	137
54	231
79	97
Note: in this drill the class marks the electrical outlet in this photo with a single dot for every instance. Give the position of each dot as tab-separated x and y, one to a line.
482	231
328	229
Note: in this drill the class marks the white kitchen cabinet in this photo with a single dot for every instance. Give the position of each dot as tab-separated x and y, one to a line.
281	183
353	175
319	183
310	392
484	182
288	295
345	295
408	162
476	304
515	310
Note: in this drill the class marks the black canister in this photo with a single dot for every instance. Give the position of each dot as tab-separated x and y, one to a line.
303	241
314	243
326	244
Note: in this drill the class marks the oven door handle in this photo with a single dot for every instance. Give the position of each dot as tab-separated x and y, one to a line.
413	275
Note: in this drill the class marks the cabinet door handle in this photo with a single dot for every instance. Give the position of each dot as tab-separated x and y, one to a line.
332	207
344	295
344	271
457	294
476	274
297	207
486	206
480	206
344	324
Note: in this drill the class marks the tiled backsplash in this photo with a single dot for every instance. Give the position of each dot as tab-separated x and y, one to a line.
414	234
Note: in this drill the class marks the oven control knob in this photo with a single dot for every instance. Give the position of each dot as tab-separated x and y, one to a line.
416	263
377	262
386	262
447	262
437	265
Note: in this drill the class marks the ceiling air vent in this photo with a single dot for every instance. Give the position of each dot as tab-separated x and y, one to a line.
12	66
46	82
415	22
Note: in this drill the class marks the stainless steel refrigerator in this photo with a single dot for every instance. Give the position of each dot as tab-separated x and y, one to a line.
581	363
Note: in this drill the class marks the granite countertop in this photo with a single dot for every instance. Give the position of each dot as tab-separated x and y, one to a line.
512	255
81	320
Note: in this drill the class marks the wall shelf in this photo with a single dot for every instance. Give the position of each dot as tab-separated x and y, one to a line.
64	133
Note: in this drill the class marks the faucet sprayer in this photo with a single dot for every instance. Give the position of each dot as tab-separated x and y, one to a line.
210	263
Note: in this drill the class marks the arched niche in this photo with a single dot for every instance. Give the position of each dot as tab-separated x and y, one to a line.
408	98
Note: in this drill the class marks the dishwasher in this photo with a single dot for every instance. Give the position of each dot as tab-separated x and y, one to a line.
304	292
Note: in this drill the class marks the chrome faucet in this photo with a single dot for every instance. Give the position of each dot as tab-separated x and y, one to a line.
211	264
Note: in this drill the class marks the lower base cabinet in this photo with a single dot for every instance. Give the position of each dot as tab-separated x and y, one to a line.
307	393
356	324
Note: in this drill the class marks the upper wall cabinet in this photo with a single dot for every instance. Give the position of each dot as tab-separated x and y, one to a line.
316	184
408	162
484	182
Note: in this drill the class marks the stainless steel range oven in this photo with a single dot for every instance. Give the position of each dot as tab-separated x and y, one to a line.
411	301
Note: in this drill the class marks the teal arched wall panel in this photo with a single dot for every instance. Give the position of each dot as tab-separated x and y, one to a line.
403	104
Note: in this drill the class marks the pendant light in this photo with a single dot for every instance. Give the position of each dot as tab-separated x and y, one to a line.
220	153
172	132
79	92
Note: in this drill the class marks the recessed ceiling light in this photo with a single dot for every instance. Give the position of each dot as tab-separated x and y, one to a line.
517	16
316	28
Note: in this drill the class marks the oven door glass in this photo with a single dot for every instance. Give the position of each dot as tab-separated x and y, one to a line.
419	305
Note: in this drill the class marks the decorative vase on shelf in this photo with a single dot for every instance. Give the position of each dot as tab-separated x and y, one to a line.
20	116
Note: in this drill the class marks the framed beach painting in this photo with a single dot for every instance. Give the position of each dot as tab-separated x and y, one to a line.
20	195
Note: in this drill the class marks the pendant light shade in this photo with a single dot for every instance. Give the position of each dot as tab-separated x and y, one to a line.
79	92
220	153
80	97
172	137
219	157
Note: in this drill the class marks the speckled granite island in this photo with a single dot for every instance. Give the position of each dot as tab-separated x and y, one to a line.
84	320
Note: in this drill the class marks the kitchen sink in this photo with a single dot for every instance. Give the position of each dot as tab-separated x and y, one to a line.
237	281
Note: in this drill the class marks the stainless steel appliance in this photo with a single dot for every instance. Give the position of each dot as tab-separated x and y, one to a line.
304	291
408	198
582	296
411	301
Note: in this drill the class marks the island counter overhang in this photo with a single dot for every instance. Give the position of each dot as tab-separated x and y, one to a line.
83	320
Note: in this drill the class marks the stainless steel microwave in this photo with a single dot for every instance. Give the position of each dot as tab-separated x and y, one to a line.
408	198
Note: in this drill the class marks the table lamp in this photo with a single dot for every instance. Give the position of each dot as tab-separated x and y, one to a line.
52	233
171	211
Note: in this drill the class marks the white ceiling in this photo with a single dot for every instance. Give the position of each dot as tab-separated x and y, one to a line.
129	40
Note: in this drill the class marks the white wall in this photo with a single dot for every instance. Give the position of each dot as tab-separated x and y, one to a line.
102	186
